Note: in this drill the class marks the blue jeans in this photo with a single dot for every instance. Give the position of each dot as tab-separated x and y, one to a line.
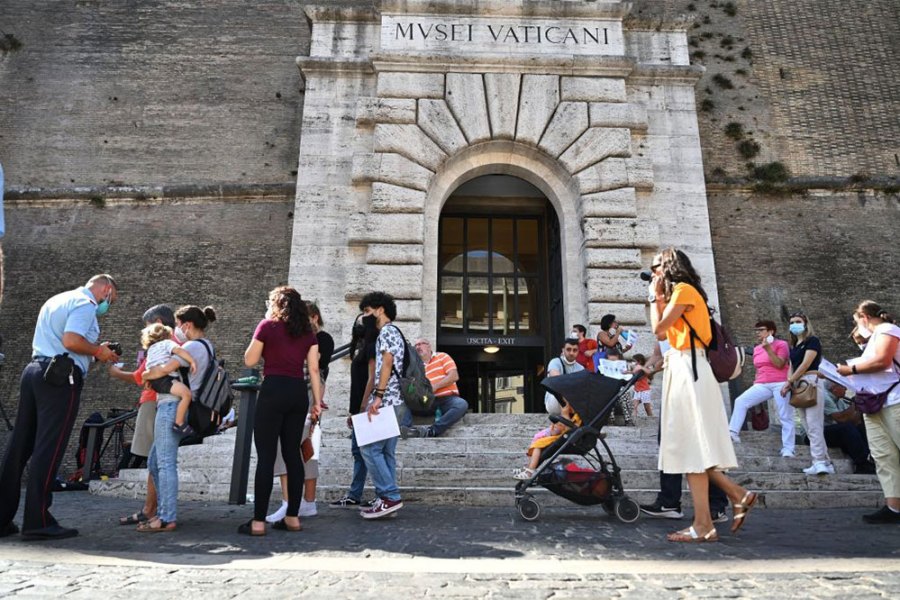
163	461
381	461
359	471
453	408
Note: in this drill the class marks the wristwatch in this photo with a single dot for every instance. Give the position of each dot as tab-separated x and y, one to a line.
651	298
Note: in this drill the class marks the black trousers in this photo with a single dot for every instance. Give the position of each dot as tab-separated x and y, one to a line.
280	414
43	426
851	439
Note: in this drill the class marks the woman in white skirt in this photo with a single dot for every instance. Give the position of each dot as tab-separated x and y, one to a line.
694	437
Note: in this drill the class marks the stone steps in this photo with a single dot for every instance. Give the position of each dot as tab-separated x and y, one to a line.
472	465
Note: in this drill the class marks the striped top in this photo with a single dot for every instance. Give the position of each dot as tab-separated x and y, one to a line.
437	368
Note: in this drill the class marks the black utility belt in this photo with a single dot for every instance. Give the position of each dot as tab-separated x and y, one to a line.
60	370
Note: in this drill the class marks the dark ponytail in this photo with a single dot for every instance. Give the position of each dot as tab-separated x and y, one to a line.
196	316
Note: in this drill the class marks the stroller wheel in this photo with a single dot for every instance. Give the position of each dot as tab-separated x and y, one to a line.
529	509
627	510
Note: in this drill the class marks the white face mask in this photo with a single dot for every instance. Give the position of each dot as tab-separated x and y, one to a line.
863	331
180	337
613	331
573	335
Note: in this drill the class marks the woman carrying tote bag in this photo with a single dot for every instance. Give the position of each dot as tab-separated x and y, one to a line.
803	384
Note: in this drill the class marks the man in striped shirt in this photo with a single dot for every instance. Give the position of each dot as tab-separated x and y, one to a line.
441	372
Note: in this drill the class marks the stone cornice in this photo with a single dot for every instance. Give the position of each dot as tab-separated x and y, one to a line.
666	74
351	12
612	66
314	64
508	8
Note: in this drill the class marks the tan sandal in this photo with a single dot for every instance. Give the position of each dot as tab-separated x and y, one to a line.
691	536
741	510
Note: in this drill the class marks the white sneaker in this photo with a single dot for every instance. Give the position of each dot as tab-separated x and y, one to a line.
788	453
278	514
307	509
820	468
735	437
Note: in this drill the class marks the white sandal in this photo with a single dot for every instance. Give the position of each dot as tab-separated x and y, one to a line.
523	473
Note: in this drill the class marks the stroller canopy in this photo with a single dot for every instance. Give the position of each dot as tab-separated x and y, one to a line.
590	394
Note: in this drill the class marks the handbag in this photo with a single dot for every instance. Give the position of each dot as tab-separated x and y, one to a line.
804	394
870	403
306	446
759	418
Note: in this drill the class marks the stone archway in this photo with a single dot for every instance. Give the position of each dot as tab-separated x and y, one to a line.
572	137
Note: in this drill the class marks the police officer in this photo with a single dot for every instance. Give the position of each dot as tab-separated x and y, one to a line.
48	404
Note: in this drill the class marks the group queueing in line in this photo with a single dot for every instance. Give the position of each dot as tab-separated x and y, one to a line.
695	438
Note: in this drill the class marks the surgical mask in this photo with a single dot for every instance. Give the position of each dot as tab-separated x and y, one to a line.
103	307
797	328
863	331
613	331
180	336
573	334
566	360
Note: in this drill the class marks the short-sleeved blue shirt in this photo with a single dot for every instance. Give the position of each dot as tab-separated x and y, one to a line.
74	311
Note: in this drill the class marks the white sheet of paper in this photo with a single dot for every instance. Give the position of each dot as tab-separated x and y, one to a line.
617	369
829	371
382	426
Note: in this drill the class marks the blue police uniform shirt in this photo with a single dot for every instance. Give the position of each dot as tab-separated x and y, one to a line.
74	311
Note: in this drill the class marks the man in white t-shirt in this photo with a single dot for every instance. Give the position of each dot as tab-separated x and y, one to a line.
563	364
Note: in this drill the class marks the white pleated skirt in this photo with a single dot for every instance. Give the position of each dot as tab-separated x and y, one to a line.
693	425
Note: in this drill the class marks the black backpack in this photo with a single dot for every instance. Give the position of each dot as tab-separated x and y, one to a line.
415	388
212	400
724	356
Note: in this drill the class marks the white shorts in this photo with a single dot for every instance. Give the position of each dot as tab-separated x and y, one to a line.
643	397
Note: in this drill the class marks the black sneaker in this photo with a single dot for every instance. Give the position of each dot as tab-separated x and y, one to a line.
428	432
662	512
346	502
882	516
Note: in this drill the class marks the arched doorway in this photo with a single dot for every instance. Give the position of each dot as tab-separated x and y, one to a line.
500	293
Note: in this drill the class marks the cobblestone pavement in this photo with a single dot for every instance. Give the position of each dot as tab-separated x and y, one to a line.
430	551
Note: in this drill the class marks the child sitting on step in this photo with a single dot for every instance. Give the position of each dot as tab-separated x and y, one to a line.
157	340
544	438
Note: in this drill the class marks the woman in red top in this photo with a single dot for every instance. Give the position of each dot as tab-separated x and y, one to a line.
285	341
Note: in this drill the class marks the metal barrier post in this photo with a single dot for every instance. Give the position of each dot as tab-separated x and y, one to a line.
240	466
88	467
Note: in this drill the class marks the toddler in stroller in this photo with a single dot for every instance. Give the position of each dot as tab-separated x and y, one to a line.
590	397
544	438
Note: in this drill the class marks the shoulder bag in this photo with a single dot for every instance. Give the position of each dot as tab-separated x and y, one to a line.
803	393
870	403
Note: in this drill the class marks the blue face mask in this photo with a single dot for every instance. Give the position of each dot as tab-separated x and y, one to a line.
797	328
103	307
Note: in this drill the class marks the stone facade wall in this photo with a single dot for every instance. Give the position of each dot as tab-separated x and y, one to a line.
222	252
820	253
150	92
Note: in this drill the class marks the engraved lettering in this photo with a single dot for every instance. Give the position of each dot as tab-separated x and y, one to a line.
594	36
399	33
547	35
440	32
497	34
425	33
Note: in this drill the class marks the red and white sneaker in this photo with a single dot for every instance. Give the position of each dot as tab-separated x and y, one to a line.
381	508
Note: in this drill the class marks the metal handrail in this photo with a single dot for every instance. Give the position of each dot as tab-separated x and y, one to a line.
95	429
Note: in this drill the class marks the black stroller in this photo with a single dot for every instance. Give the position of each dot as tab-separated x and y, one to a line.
592	397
